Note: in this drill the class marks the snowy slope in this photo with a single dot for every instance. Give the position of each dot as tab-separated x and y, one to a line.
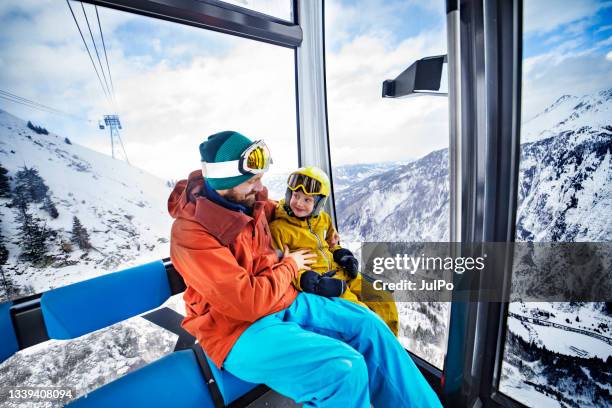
122	207
405	203
568	113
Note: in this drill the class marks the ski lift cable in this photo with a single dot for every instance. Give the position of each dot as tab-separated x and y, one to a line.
35	105
97	53
6	98
123	147
86	47
10	95
106	57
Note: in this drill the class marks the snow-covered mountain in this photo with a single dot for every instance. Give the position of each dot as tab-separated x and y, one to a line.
404	203
122	208
560	354
568	113
565	183
565	186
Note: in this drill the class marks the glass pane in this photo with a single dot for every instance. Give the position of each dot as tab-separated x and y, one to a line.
565	194
276	8
69	210
389	156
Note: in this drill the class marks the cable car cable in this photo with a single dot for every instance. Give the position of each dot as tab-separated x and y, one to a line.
106	56
19	99
97	53
35	105
86	47
26	104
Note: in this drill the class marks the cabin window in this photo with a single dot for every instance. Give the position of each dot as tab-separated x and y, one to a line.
556	353
84	192
389	156
91	161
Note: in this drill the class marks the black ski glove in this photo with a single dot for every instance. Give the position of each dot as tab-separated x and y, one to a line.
345	259
312	282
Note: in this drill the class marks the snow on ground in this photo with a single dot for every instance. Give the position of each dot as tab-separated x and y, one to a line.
561	341
513	386
122	207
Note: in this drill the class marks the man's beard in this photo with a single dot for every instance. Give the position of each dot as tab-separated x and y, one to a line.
248	200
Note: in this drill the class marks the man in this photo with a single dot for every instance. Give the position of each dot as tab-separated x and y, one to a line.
244	311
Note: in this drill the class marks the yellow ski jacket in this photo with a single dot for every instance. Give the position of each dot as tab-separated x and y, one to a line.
312	233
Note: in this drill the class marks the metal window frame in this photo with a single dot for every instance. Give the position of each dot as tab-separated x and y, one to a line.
485	62
311	92
216	16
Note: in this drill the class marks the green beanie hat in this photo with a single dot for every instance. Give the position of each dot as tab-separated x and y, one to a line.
221	147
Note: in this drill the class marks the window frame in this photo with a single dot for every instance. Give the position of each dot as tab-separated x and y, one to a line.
216	16
486	158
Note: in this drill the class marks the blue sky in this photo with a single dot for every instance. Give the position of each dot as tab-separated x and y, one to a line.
398	20
582	33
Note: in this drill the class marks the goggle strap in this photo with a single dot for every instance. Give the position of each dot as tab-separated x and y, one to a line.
221	169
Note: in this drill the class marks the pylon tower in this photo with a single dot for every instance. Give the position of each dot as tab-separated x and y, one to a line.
114	125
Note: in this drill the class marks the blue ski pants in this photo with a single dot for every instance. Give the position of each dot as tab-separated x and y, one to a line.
329	353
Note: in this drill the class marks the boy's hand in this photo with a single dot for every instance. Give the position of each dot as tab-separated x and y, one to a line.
302	257
345	259
333	240
312	282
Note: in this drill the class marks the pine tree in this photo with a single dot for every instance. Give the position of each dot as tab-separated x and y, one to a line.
50	207
5	186
29	186
32	237
4	281
80	236
3	251
38	129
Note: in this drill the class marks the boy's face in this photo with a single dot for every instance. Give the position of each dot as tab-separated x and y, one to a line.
301	204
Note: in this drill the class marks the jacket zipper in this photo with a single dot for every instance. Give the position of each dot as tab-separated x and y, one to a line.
320	244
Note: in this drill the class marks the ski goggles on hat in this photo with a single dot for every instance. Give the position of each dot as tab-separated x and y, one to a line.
308	184
255	159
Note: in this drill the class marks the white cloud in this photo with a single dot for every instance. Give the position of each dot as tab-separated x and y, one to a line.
547	77
542	16
609	56
604	28
364	127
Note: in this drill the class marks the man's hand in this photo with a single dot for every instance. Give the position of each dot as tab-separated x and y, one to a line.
302	257
333	240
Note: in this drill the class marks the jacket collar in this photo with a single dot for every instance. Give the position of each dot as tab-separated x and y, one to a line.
214	196
224	224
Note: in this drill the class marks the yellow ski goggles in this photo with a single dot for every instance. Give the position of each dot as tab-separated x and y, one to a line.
309	185
255	159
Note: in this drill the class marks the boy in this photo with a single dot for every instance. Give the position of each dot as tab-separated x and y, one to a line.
300	222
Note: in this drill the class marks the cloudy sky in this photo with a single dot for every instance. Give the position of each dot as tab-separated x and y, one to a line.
175	85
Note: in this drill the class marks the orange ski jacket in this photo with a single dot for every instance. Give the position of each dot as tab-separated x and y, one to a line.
232	273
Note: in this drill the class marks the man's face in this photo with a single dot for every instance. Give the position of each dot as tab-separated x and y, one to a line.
244	193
